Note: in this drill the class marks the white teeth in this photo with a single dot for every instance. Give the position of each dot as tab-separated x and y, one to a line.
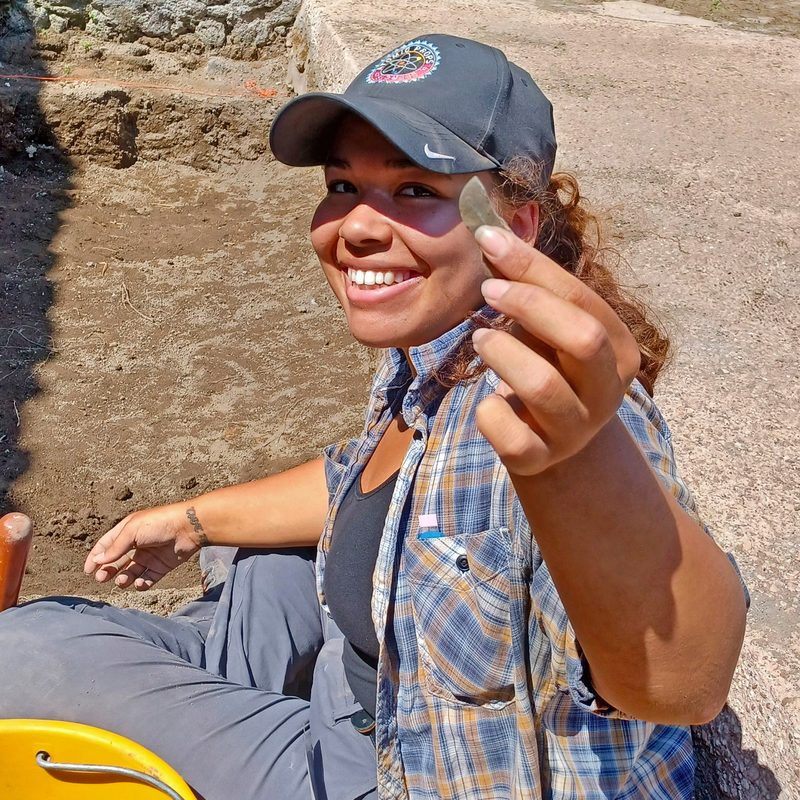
370	277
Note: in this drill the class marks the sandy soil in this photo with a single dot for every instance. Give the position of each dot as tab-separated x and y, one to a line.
165	329
764	16
780	17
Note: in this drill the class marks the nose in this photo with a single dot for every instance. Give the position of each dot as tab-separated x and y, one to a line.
365	226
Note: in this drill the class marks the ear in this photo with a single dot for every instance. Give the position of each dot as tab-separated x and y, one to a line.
525	222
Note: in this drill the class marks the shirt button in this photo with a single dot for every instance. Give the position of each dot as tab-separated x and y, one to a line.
462	562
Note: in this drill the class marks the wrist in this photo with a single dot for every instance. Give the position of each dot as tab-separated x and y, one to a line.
193	526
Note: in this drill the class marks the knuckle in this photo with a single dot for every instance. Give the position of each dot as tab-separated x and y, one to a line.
631	362
518	447
577	294
542	387
590	341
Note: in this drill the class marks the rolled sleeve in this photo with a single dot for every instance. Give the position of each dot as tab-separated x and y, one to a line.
569	669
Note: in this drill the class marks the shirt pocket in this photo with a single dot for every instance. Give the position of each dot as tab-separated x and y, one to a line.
460	590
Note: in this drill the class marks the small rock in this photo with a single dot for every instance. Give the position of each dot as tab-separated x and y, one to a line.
189	483
80	535
138	49
58	24
211	33
41	20
123	494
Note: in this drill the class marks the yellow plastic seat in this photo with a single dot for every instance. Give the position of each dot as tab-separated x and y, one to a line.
52	760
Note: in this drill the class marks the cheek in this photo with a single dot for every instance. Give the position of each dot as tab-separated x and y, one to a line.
464	252
324	235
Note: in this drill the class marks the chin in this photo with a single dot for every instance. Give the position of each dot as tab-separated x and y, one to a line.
385	342
385	333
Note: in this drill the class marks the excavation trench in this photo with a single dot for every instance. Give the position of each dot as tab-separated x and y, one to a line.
165	326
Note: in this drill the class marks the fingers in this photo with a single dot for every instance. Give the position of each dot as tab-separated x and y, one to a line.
106	571
138	568
535	383
110	547
520	447
584	351
521	263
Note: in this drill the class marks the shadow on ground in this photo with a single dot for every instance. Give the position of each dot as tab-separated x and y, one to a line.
34	179
725	770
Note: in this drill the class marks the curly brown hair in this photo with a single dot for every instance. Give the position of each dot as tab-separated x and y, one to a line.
572	236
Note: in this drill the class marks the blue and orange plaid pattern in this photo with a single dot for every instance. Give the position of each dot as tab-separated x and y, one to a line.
482	688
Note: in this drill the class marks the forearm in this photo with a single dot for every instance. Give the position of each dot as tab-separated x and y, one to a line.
283	510
655	604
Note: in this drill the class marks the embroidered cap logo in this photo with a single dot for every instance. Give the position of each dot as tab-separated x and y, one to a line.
409	62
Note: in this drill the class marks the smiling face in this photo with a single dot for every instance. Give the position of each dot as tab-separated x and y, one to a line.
390	239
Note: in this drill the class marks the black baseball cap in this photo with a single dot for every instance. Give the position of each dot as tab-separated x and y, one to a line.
451	105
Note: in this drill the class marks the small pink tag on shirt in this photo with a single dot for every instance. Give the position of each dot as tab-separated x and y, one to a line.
428	521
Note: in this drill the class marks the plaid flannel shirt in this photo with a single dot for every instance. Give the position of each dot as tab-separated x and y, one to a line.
482	688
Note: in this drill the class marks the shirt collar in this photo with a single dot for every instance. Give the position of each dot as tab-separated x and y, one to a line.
428	359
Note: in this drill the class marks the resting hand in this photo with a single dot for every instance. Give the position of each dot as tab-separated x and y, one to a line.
564	368
140	549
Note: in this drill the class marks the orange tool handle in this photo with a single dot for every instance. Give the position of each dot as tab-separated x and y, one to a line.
16	533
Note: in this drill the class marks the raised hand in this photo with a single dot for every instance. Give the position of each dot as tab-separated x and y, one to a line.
564	368
140	549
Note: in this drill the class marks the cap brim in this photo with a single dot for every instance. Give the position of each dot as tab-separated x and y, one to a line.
303	132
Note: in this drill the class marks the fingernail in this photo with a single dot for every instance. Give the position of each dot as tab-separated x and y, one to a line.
493	241
494	288
478	335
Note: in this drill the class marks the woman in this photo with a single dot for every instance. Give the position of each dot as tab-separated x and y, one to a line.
514	597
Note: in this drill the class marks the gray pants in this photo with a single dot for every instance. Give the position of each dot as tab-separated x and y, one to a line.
223	690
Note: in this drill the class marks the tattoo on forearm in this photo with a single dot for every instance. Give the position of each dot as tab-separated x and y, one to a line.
191	515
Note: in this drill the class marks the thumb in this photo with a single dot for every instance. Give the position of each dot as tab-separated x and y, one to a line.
111	546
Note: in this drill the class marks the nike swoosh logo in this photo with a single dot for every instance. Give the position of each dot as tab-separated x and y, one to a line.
433	154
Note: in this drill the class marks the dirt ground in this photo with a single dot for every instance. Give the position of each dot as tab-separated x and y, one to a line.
764	16
165	329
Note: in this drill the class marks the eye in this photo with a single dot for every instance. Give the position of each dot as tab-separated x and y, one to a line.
340	187
418	190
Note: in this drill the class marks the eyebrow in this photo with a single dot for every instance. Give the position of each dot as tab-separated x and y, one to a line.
394	163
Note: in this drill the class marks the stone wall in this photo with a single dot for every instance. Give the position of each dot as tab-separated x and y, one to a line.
216	23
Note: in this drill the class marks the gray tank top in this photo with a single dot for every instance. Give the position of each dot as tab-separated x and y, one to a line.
348	582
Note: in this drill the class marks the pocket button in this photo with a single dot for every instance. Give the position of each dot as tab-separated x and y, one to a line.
462	562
